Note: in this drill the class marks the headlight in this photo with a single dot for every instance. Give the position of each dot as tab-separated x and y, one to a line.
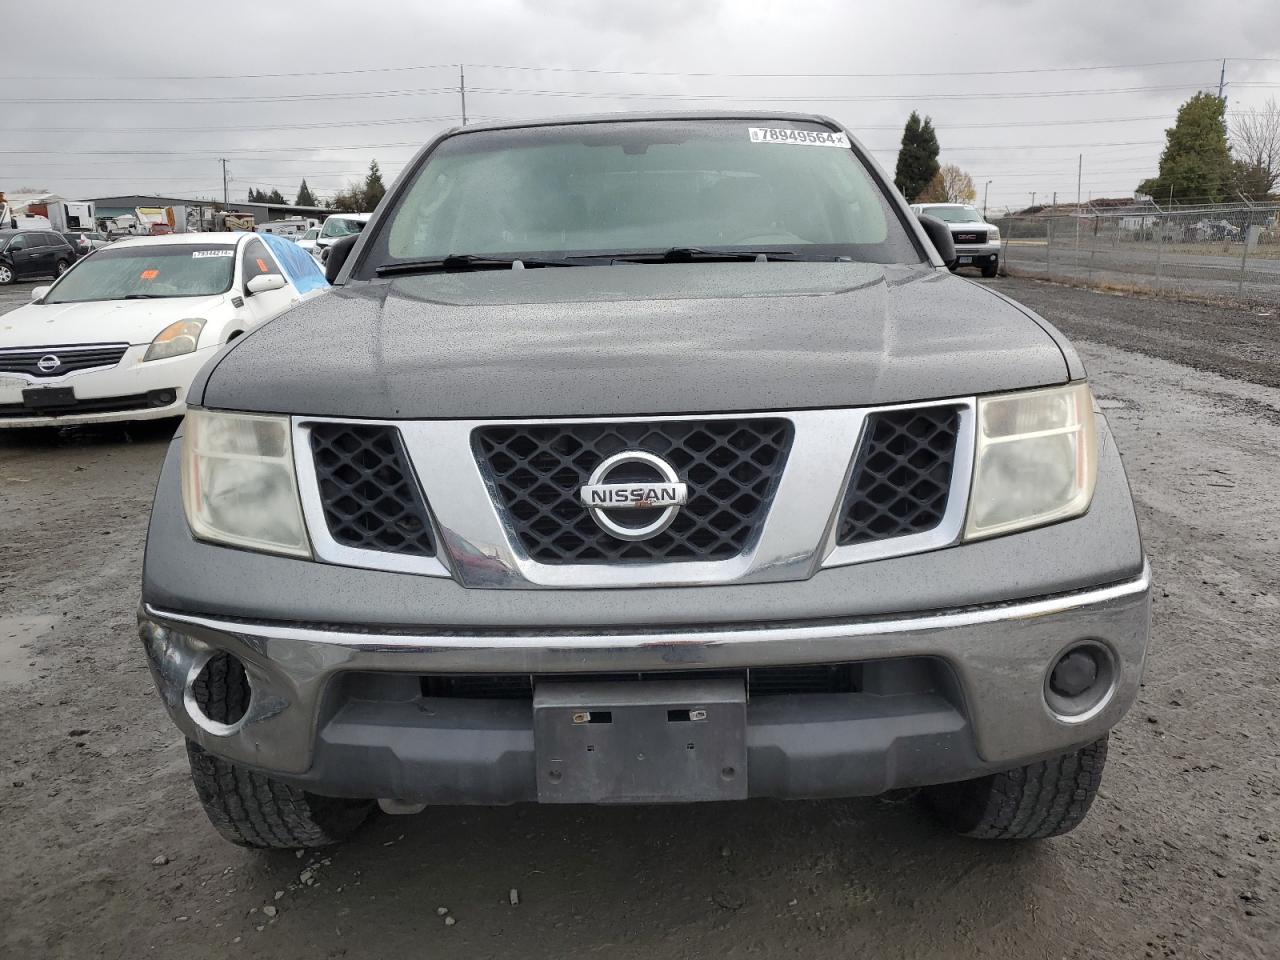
175	340
993	233
238	482
1035	460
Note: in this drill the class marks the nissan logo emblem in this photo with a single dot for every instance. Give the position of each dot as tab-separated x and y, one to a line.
663	493
48	363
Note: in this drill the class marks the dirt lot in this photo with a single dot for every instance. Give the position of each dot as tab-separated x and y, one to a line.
106	852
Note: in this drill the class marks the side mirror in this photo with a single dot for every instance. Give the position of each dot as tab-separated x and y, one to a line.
940	236
37	293
263	283
336	255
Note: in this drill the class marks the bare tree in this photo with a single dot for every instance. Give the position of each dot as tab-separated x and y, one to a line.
950	185
1255	141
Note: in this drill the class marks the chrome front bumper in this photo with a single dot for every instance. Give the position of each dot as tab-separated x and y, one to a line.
999	656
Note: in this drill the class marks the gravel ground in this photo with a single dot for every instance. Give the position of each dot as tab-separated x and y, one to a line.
108	855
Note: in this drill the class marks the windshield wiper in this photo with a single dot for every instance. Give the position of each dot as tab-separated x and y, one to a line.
467	261
143	296
689	255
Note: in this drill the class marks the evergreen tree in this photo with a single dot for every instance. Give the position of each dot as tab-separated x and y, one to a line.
917	157
305	197
1196	163
275	196
374	190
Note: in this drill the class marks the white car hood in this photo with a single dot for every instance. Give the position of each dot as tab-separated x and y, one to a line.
100	321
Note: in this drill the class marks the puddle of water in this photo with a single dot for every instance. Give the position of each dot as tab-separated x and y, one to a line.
15	660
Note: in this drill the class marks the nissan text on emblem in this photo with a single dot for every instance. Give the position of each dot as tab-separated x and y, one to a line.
641	482
48	363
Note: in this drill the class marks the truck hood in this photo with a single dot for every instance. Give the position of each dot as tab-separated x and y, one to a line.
633	340
98	321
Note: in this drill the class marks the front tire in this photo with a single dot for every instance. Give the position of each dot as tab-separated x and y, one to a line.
6	275
253	810
1044	799
249	808
991	269
61	268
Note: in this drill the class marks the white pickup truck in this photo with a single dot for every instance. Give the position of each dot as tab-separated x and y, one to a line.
977	242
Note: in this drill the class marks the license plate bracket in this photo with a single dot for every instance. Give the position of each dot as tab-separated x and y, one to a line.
48	398
640	742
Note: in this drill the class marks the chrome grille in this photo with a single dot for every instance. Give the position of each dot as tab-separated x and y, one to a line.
369	494
732	467
902	476
69	357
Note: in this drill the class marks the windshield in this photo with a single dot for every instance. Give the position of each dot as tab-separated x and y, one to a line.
311	234
582	189
338	227
146	271
953	214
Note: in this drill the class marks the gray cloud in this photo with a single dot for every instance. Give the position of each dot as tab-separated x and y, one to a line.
274	143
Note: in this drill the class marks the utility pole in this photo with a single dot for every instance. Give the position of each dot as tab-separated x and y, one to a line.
224	180
1222	81
1033	198
985	187
1079	176
462	91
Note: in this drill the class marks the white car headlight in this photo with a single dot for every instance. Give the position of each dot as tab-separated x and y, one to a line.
993	233
175	340
1035	460
238	482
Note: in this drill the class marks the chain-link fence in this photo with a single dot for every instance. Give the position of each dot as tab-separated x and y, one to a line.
1219	250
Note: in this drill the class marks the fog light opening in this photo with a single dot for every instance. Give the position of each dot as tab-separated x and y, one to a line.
1080	681
220	693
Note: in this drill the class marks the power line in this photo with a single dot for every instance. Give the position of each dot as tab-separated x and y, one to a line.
847	76
832	98
182	155
594	71
626	95
204	128
278	98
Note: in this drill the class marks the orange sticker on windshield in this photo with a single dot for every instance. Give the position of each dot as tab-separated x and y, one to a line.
150	274
262	265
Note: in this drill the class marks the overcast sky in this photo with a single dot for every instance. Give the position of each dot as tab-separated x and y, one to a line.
144	96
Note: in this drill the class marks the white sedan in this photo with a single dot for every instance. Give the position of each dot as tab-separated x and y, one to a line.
121	335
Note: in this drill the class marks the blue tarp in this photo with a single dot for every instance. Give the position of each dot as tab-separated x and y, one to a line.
299	266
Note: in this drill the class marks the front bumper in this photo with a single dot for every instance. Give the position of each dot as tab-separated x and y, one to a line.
109	395
979	252
945	696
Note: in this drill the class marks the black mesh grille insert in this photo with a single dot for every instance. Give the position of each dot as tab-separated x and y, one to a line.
732	468
902	476
370	497
61	360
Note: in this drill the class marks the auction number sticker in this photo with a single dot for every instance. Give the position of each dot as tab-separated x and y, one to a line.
808	138
197	254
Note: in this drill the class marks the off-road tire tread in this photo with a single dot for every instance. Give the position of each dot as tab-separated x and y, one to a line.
250	808
1043	799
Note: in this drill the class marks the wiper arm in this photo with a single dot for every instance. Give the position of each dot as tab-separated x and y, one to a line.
467	261
690	254
143	296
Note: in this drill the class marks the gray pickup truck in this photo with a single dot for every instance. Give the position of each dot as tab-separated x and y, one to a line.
644	459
